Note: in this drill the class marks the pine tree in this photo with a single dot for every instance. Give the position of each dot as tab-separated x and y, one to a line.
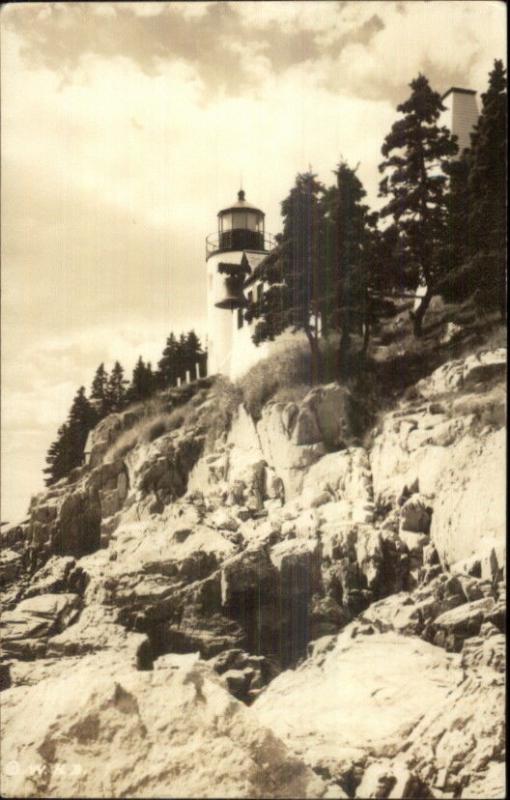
181	357
116	388
150	379
66	452
487	175
82	419
487	192
350	249
294	271
193	353
415	153
59	458
142	382
167	365
98	391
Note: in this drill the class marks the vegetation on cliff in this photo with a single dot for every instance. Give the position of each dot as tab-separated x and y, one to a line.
339	268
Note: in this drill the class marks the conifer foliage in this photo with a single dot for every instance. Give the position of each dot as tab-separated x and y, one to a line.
317	279
487	178
99	391
180	357
116	393
112	392
143	382
416	151
66	452
487	174
295	271
476	247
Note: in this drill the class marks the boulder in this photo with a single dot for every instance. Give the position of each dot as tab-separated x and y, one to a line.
334	411
305	429
137	733
486	650
458	747
391	780
452	627
394	679
415	515
25	630
289	459
463	373
53	577
11	566
250	571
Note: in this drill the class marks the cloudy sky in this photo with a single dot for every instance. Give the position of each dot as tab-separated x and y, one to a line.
125	127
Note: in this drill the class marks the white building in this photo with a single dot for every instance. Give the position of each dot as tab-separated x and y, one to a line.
241	243
460	115
232	255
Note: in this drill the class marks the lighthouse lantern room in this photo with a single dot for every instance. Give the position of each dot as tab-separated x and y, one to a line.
239	244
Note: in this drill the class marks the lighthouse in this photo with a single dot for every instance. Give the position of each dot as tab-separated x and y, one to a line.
232	254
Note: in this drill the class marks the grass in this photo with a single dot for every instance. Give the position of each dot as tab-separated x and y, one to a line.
395	361
207	405
145	431
286	376
224	400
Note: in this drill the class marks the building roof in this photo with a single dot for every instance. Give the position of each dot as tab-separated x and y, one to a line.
241	203
253	259
263	261
459	90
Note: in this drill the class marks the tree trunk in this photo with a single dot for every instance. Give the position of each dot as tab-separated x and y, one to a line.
418	315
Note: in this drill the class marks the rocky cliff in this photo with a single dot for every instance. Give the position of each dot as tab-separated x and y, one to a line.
278	607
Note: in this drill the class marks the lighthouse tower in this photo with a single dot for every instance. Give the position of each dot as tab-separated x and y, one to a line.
232	253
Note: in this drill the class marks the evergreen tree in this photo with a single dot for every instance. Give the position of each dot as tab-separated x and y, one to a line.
181	357
116	388
193	353
98	391
487	175
487	192
295	271
415	153
350	249
66	452
82	419
167	365
58	458
142	382
150	379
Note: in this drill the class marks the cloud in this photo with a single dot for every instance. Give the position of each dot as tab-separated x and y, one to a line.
369	49
218	40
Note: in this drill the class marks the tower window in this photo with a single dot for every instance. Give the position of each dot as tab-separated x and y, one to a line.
240	318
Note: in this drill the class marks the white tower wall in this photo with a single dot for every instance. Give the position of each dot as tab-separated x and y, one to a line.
461	115
220	321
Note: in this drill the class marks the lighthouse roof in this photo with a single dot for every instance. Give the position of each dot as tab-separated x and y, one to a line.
241	203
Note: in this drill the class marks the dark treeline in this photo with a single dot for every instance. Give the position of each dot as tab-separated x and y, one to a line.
111	392
337	265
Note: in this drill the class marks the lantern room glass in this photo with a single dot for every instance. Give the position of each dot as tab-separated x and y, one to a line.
241	219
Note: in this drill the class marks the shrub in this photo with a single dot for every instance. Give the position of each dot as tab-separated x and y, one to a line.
280	371
161	424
